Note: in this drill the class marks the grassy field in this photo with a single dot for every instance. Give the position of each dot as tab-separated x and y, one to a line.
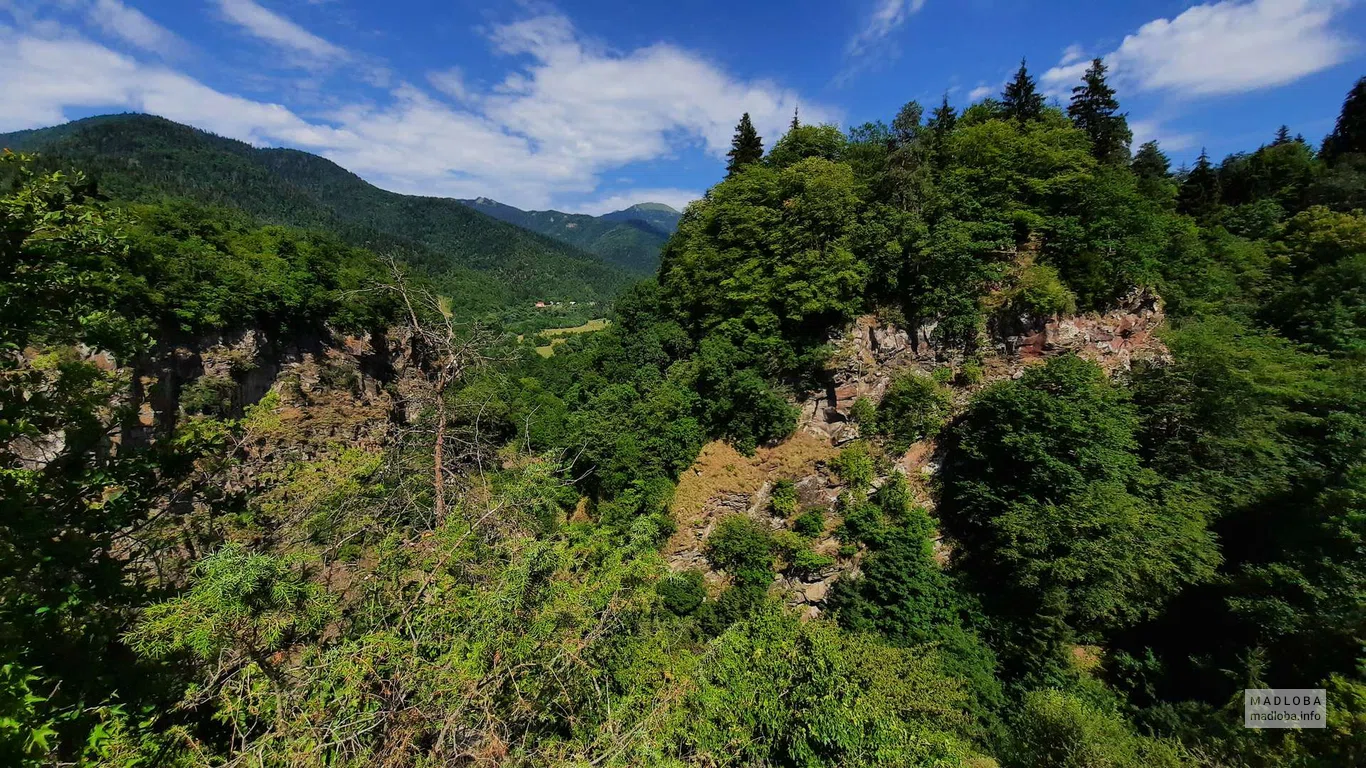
557	335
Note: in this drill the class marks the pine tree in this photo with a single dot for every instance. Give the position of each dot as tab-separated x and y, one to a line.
795	122
1199	197
940	125
1095	111
1282	136
943	119
1349	135
1021	98
1150	162
1153	170
745	148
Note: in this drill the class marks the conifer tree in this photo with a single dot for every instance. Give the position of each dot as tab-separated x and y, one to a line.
745	148
943	119
1349	135
1199	195
1153	169
1150	162
1021	98
1282	136
795	122
1095	111
940	125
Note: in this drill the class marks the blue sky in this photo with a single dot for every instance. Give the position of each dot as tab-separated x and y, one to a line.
590	105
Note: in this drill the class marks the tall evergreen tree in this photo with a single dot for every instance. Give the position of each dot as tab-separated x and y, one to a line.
1282	136
940	125
1153	170
745	148
1095	111
1150	162
943	119
796	123
1349	135
1021	98
1199	195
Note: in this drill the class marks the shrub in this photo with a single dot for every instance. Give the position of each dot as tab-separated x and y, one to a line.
739	543
914	408
682	593
969	374
209	395
1059	729
806	562
783	500
1040	292
854	466
863	413
810	523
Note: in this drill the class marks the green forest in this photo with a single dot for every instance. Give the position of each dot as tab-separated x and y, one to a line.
479	263
271	497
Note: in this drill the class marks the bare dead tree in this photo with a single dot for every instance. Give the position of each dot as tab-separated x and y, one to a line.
446	352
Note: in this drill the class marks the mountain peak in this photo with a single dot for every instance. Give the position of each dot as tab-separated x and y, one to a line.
658	207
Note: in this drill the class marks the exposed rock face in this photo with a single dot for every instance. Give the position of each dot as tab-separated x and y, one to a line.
871	353
1114	339
868	356
247	365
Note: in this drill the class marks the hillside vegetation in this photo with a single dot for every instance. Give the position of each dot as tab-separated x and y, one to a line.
631	238
968	440
481	263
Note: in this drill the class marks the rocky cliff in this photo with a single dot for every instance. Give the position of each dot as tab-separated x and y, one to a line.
869	355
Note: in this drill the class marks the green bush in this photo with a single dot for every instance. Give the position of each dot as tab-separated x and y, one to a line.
209	396
863	413
855	466
783	500
1059	729
739	544
810	523
682	593
914	408
969	373
806	562
1039	292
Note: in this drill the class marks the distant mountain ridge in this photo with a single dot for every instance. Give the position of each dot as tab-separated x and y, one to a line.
630	238
482	262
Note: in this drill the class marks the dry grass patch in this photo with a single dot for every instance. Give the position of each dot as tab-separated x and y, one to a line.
721	470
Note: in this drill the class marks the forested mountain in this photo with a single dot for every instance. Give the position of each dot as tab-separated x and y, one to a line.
975	440
481	263
631	238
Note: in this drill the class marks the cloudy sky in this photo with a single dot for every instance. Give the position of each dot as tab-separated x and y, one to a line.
593	105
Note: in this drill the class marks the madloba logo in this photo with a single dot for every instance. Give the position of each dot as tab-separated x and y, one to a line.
1285	708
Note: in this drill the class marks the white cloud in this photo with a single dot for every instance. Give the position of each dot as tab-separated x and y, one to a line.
1233	47
452	83
887	17
980	92
567	113
582	105
677	199
46	75
274	28
1074	53
1059	81
1152	130
132	26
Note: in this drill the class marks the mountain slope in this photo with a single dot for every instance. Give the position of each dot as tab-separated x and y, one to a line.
481	261
631	238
